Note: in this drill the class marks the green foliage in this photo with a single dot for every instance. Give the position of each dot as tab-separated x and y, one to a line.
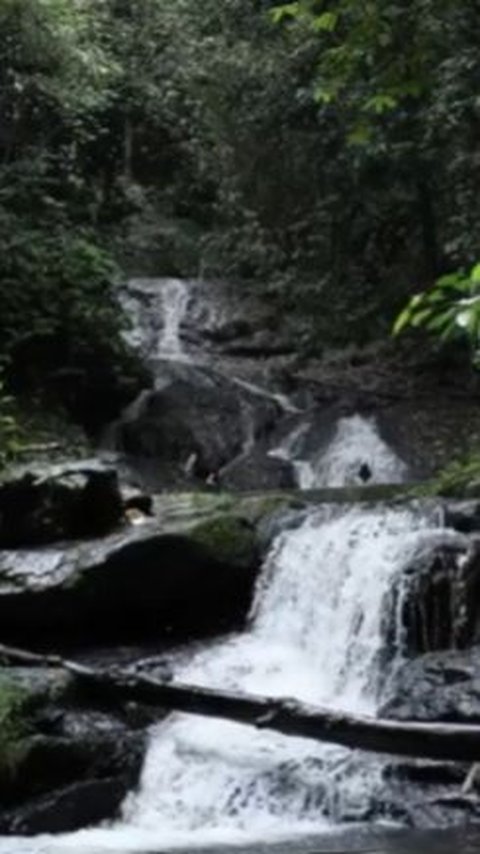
449	310
401	81
13	726
227	538
325	151
375	56
9	430
460	479
59	322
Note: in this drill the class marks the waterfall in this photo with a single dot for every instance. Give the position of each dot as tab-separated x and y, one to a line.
156	309
175	298
355	455
317	632
320	630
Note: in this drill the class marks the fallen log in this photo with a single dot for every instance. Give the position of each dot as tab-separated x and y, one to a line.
441	741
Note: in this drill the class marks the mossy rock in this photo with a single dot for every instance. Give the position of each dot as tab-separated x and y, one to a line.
258	508
228	539
460	479
23	692
14	726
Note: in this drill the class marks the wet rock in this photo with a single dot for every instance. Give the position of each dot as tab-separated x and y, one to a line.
425	808
257	470
194	413
63	763
136	499
160	579
463	516
439	686
68	809
439	593
61	502
425	430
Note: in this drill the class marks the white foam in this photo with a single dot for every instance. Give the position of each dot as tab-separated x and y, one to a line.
356	444
316	634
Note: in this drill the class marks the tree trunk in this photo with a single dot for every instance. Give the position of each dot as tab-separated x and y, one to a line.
442	741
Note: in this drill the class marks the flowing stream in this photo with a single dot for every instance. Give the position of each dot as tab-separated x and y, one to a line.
156	309
317	632
355	455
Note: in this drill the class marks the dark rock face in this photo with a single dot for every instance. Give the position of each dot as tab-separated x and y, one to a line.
463	516
424	430
256	470
63	503
74	763
195	414
68	809
439	594
142	582
439	686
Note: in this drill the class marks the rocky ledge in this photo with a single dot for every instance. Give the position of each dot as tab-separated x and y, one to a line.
65	761
188	570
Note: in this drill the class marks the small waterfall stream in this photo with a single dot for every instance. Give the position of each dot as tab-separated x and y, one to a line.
156	308
175	298
356	454
317	632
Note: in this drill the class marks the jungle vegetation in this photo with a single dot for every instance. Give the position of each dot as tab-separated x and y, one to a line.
323	152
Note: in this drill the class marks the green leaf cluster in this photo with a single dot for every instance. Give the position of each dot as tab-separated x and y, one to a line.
450	309
324	151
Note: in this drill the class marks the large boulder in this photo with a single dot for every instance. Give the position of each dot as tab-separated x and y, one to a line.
61	502
193	423
437	596
170	576
439	686
63	764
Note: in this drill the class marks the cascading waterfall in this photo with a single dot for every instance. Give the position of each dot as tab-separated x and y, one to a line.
156	308
175	298
317	633
356	446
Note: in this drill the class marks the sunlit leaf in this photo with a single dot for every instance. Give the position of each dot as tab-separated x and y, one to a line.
326	22
360	135
402	321
381	103
321	95
475	274
287	10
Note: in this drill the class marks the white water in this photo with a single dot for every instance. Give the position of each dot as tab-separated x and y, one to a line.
175	298
317	634
356	443
156	308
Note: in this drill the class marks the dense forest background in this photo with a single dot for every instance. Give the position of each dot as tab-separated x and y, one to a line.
325	154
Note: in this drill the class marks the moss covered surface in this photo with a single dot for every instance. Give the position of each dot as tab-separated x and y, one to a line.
14	725
23	693
460	479
228	539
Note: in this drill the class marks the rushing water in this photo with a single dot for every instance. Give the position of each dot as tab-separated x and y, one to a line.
156	308
356	454
175	298
316	633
